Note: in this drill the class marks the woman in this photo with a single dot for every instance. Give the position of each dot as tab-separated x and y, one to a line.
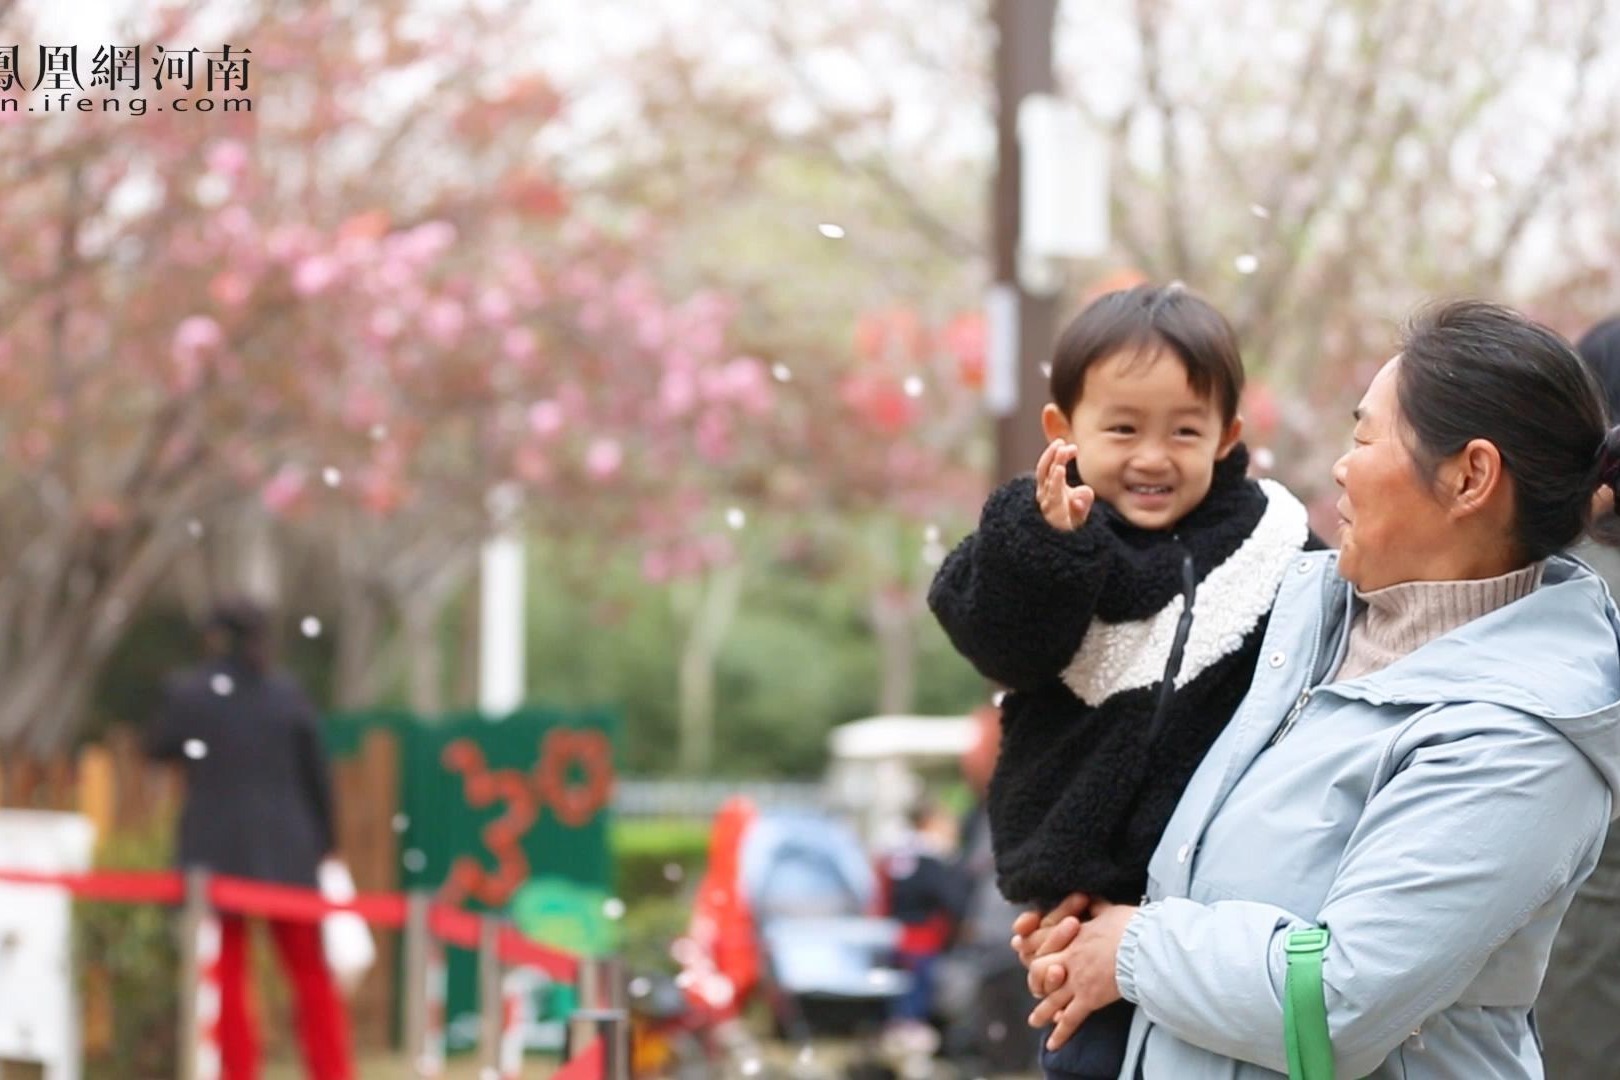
1425	761
258	805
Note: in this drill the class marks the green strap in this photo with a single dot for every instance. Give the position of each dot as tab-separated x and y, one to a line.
1305	1026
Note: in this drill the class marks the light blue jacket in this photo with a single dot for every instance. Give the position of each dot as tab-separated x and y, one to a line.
1436	816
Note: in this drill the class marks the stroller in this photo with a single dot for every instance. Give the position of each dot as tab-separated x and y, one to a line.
785	910
825	956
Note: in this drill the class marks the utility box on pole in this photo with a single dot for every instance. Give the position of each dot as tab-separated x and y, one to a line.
1063	207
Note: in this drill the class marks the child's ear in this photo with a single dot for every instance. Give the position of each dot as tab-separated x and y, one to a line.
1229	438
1055	424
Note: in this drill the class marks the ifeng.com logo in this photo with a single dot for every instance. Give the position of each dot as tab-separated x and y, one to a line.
186	80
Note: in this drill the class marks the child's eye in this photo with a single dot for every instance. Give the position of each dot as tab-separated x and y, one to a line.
1191	432
1122	429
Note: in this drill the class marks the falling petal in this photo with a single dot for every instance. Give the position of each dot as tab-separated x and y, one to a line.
781	373
415	861
379	432
196	749
831	231
1259	211
222	684
914	386
195	528
1246	263
674	872
400	823
736	518
931	534
311	626
613	908
332	476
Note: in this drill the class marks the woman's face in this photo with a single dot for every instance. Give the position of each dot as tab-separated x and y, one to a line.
1392	528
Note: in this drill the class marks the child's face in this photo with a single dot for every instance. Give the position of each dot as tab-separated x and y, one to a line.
1145	441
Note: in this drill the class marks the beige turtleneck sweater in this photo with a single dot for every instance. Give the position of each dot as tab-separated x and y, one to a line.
1402	618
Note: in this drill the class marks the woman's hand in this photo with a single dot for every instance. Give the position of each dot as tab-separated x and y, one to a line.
1087	964
1035	934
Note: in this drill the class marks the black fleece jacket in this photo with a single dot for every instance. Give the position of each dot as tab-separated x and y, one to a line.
1078	626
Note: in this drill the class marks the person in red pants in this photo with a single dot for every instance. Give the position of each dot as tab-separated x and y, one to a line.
258	805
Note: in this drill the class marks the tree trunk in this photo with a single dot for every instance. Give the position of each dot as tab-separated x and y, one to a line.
716	606
424	656
893	612
359	642
45	693
72	619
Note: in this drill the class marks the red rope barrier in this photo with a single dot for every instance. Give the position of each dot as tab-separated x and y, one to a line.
117	886
291	903
587	1065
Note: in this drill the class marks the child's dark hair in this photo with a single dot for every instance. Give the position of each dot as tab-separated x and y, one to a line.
922	811
1144	321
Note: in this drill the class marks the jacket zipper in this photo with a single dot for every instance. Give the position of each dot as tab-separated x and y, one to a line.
1291	719
1304	695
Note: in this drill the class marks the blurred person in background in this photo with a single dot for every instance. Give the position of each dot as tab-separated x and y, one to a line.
1580	997
258	805
981	983
926	894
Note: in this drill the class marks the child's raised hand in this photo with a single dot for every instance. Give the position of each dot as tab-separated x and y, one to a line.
1064	507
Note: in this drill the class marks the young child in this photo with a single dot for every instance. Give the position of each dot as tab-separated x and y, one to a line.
927	893
1124	615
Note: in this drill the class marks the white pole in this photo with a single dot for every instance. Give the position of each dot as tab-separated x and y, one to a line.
501	610
500	651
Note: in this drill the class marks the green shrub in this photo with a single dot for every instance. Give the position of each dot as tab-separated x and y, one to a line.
657	864
649	927
129	965
657	859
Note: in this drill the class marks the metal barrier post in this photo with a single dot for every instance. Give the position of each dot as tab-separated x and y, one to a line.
491	1002
604	1012
199	946
415	1026
615	1027
582	1024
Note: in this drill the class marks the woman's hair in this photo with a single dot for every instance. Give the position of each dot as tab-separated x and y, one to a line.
245	628
1144	321
1475	370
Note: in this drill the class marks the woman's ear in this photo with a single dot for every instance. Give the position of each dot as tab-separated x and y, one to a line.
1477	478
1055	424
